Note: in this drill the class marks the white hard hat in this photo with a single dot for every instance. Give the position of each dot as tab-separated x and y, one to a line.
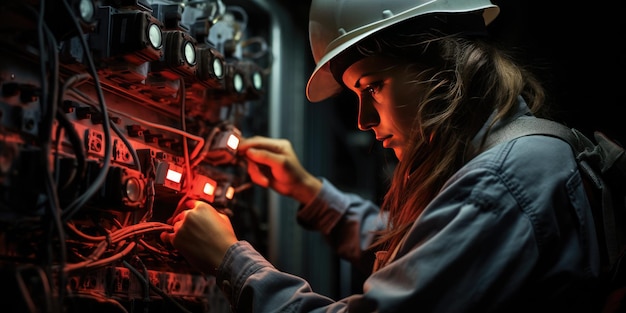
336	25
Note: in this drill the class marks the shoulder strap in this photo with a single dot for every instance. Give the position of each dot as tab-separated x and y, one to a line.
593	160
525	126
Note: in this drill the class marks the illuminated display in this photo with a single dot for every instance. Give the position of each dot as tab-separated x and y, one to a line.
210	72
179	57
233	142
257	80
87	10
203	188
174	176
230	193
238	83
142	125
155	36
209	189
189	53
218	67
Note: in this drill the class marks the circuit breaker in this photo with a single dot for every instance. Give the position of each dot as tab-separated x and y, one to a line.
113	112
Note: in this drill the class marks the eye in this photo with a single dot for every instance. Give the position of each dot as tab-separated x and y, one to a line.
373	88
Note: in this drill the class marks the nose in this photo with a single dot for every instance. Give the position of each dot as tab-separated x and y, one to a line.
368	116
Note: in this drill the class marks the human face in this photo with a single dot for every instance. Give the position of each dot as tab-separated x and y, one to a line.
387	105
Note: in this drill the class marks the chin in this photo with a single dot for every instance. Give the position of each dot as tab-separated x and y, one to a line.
398	154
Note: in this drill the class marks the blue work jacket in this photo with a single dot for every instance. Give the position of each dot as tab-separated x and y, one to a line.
511	231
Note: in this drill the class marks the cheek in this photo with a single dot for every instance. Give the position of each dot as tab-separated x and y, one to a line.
404	117
405	109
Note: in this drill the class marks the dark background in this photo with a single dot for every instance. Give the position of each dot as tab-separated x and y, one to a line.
576	48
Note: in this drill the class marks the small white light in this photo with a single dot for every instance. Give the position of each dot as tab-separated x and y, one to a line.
218	68
208	189
257	80
155	36
232	142
174	176
87	10
238	82
230	193
190	53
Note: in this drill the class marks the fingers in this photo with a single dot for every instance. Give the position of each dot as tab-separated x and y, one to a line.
207	208
201	234
268	158
263	165
180	216
168	237
257	175
258	142
265	157
279	146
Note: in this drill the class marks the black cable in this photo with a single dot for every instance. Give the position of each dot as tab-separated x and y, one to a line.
26	292
45	131
146	286
154	288
128	145
75	140
101	301
77	146
76	205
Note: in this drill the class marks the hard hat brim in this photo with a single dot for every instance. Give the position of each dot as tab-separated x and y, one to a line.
322	84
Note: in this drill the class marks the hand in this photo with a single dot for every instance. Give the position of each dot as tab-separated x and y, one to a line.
202	235
273	163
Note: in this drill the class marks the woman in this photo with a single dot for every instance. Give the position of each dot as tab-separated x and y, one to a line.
465	226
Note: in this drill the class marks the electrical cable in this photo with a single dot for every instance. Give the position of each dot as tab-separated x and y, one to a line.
48	107
264	48
115	244
153	249
146	280
122	233
159	291
100	299
78	203
244	23
173	130
128	145
150	191
75	140
209	140
91	264
183	123
30	304
24	289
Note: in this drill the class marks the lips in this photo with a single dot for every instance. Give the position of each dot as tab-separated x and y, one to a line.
384	140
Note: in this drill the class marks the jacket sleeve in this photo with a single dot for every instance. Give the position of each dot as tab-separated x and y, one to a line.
346	221
442	266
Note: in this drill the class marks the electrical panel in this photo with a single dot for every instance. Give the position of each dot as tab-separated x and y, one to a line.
113	112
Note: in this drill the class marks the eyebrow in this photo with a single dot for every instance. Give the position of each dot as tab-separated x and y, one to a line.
358	81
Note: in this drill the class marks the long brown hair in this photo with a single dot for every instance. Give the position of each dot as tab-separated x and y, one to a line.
467	78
